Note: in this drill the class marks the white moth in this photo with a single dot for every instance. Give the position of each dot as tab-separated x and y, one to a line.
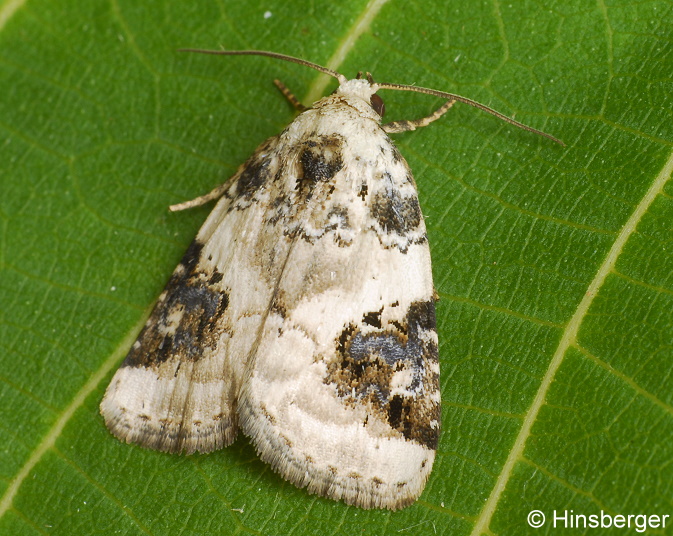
303	313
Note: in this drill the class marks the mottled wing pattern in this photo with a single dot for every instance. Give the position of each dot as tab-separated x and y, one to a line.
303	311
177	388
342	393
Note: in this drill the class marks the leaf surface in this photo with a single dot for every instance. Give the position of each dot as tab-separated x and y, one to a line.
553	265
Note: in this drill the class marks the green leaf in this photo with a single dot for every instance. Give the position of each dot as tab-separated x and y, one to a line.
553	264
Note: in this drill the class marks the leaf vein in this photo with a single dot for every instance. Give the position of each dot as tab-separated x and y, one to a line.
569	339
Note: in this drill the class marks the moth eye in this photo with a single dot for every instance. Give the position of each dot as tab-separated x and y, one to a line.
378	105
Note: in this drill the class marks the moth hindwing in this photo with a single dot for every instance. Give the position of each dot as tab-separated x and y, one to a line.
303	313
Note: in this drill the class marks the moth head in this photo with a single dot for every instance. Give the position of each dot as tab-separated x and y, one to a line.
376	101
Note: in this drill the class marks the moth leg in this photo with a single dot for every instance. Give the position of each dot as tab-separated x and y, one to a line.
201	200
406	125
290	96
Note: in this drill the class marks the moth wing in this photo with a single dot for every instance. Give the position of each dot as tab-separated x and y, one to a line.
342	393
177	388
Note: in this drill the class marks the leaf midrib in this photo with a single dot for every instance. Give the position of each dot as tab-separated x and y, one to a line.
54	432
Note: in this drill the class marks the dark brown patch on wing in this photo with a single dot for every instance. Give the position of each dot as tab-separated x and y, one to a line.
320	159
362	194
394	213
373	318
369	366
397	156
185	320
255	173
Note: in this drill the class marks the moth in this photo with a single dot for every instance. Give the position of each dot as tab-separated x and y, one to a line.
303	313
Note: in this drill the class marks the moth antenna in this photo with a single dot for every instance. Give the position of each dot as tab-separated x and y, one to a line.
400	87
341	78
451	96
